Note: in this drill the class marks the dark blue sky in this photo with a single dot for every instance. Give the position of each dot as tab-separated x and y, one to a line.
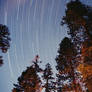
35	29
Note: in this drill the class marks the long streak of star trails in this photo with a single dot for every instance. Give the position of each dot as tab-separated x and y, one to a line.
42	13
17	65
33	49
21	33
18	3
31	2
51	10
35	10
37	42
6	13
21	41
28	21
5	19
36	34
10	66
57	8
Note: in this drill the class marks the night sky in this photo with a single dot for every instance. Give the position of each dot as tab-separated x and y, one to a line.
35	29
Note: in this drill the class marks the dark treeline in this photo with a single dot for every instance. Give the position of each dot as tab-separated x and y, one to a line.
74	59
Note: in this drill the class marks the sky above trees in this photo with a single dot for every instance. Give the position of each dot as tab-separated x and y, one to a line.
35	29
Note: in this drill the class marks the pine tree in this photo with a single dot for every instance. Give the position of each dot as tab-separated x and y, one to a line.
78	18
29	81
48	78
66	65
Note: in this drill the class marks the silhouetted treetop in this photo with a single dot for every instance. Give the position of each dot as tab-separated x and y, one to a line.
78	16
49	84
48	72
29	81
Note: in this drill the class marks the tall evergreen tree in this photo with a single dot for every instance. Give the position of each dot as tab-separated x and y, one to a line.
66	65
48	78
4	40
78	18
29	81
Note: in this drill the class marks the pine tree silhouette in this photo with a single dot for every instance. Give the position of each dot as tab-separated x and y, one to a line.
48	78
29	81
